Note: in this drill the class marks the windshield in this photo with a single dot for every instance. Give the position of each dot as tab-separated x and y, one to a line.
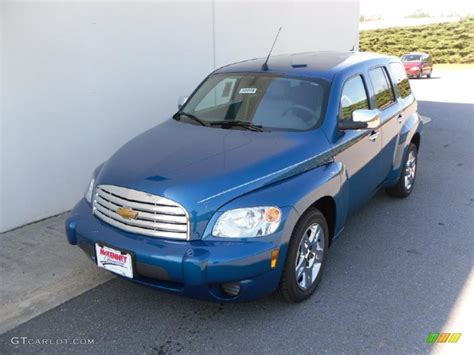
269	101
411	58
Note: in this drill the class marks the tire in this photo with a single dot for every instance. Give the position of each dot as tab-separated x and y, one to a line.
419	75
428	75
405	184
310	268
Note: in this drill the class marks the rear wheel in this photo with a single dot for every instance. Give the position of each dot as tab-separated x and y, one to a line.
305	257
428	75
405	183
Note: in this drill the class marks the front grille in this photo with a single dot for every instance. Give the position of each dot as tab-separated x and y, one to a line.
156	216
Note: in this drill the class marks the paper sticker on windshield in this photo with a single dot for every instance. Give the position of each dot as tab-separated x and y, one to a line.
248	91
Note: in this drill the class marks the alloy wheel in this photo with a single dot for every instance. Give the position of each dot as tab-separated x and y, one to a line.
410	170
310	256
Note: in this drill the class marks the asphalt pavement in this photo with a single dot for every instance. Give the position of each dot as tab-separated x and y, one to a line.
401	269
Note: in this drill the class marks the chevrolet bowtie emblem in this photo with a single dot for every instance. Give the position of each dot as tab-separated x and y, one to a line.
127	213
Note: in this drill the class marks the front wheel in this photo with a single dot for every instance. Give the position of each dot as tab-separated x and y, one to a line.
305	257
405	183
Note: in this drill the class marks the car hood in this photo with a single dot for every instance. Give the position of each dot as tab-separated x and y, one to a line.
203	168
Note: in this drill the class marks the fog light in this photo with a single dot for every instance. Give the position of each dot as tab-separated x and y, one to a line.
231	289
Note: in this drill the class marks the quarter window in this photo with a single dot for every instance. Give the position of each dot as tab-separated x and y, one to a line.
383	90
401	80
354	97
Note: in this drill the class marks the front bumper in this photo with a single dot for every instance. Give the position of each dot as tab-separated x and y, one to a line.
412	73
195	269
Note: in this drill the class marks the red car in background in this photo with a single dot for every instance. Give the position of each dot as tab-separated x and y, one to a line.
417	64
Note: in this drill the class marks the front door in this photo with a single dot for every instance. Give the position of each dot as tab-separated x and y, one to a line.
358	150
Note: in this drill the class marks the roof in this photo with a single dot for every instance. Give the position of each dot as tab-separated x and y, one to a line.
312	64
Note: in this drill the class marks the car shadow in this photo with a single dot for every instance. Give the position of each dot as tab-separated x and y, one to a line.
424	78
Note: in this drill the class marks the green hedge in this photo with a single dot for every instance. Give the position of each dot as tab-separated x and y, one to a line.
451	42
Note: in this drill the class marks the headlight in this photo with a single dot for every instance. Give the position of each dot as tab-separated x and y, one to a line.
247	222
90	190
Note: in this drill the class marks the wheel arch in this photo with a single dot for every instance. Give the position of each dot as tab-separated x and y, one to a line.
327	206
416	140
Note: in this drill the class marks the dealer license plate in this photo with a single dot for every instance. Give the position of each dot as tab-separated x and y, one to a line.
114	260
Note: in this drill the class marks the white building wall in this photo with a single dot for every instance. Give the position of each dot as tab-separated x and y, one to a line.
2	22
244	32
79	79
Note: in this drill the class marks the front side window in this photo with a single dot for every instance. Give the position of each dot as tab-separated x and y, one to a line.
265	100
383	90
353	97
400	77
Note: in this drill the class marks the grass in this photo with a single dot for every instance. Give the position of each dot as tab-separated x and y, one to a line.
451	42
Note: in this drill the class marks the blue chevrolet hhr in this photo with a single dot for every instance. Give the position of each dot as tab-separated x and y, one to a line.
242	191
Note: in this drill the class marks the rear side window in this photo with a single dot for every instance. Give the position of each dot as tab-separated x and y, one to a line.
400	77
353	97
383	90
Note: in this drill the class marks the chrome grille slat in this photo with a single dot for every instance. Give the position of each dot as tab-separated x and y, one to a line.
171	210
138	223
157	216
138	196
172	219
133	229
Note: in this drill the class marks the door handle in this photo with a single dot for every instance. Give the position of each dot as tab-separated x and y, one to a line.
400	118
373	136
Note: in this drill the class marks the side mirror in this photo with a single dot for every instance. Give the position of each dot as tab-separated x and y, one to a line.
181	101
371	117
362	119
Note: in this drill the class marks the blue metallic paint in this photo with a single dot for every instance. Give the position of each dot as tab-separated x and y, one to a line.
192	268
209	171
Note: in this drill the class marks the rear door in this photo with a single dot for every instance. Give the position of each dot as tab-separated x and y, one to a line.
359	150
407	105
403	92
390	114
429	64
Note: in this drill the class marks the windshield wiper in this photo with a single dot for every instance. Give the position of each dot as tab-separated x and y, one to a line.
247	125
188	115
